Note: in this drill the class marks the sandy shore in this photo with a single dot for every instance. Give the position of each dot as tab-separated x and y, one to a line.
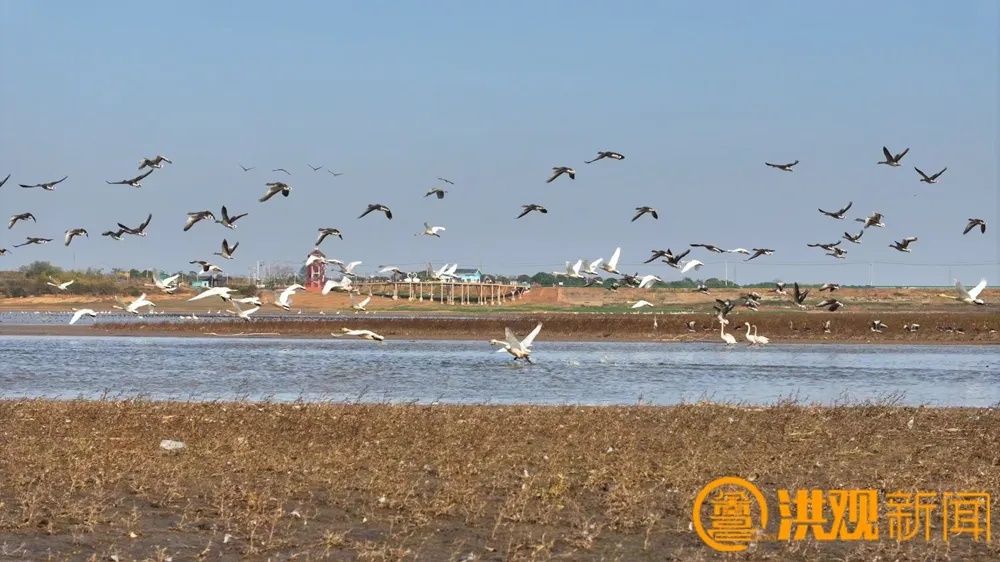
378	482
781	327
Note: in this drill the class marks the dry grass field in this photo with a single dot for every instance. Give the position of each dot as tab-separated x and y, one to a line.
90	481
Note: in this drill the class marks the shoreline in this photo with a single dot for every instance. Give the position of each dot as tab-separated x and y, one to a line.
236	480
936	328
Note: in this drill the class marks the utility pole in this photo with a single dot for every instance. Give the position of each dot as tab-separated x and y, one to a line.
871	274
727	274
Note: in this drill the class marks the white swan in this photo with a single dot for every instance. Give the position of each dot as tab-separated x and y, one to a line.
343	285
58	285
761	340
642	303
520	349
691	264
728	338
364	334
970	296
359	305
750	337
431	230
240	313
648	281
445	273
572	271
168	285
249	300
284	299
346	269
221	292
80	313
134	306
612	265
590	267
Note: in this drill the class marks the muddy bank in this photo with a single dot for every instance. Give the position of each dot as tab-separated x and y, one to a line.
381	482
845	327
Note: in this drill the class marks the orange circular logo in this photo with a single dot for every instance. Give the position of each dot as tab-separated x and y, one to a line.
731	526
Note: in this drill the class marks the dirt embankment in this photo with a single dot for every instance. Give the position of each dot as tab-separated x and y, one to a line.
408	482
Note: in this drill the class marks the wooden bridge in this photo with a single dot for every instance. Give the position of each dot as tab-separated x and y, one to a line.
444	292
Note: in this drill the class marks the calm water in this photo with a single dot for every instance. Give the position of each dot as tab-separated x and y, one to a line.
473	372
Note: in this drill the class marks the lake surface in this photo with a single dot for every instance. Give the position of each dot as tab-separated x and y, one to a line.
473	372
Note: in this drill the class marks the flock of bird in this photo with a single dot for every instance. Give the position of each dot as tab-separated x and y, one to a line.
581	269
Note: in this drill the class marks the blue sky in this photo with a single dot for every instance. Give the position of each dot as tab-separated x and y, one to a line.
491	96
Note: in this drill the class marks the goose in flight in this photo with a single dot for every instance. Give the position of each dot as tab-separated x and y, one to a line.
782	167
560	170
929	179
273	188
228	221
344	284
532	207
32	240
760	252
324	232
194	217
903	245
61	286
839	253
80	314
47	186
4	251
134	306
334	174
139	230
134	182
377	207
839	214
641	303
285	298
4	180
854	239
643	210
240	313
832	305
612	265
970	296
281	170
75	232
315	168
605	154
658	254
430	230
891	160
447	181
709	247
829	287
224	293
779	288
205	266
973	223
227	250
245	169
674	260
572	271
359	305
828	247
154	162
363	334
114	234
26	216
520	349
874	220
436	191
799	295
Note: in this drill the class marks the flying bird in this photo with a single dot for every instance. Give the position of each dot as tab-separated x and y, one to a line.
275	187
658	254
114	234
139	230
377	207
532	207
47	186
839	214
228	221
760	252
929	179
280	170
854	239
891	160
80	314
363	334
335	174
134	182
205	266
154	163
874	220
431	230
709	247
4	180
970	296
4	251
560	170
799	295
315	168
194	217
447	181
227	250
223	293
245	169
53	282
32	240
830	304
605	154
828	247
782	167
324	232
435	191
674	260
829	287
973	223
25	216
902	245
643	210
839	253
75	232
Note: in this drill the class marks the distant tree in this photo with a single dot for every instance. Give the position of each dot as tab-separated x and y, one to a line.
40	270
